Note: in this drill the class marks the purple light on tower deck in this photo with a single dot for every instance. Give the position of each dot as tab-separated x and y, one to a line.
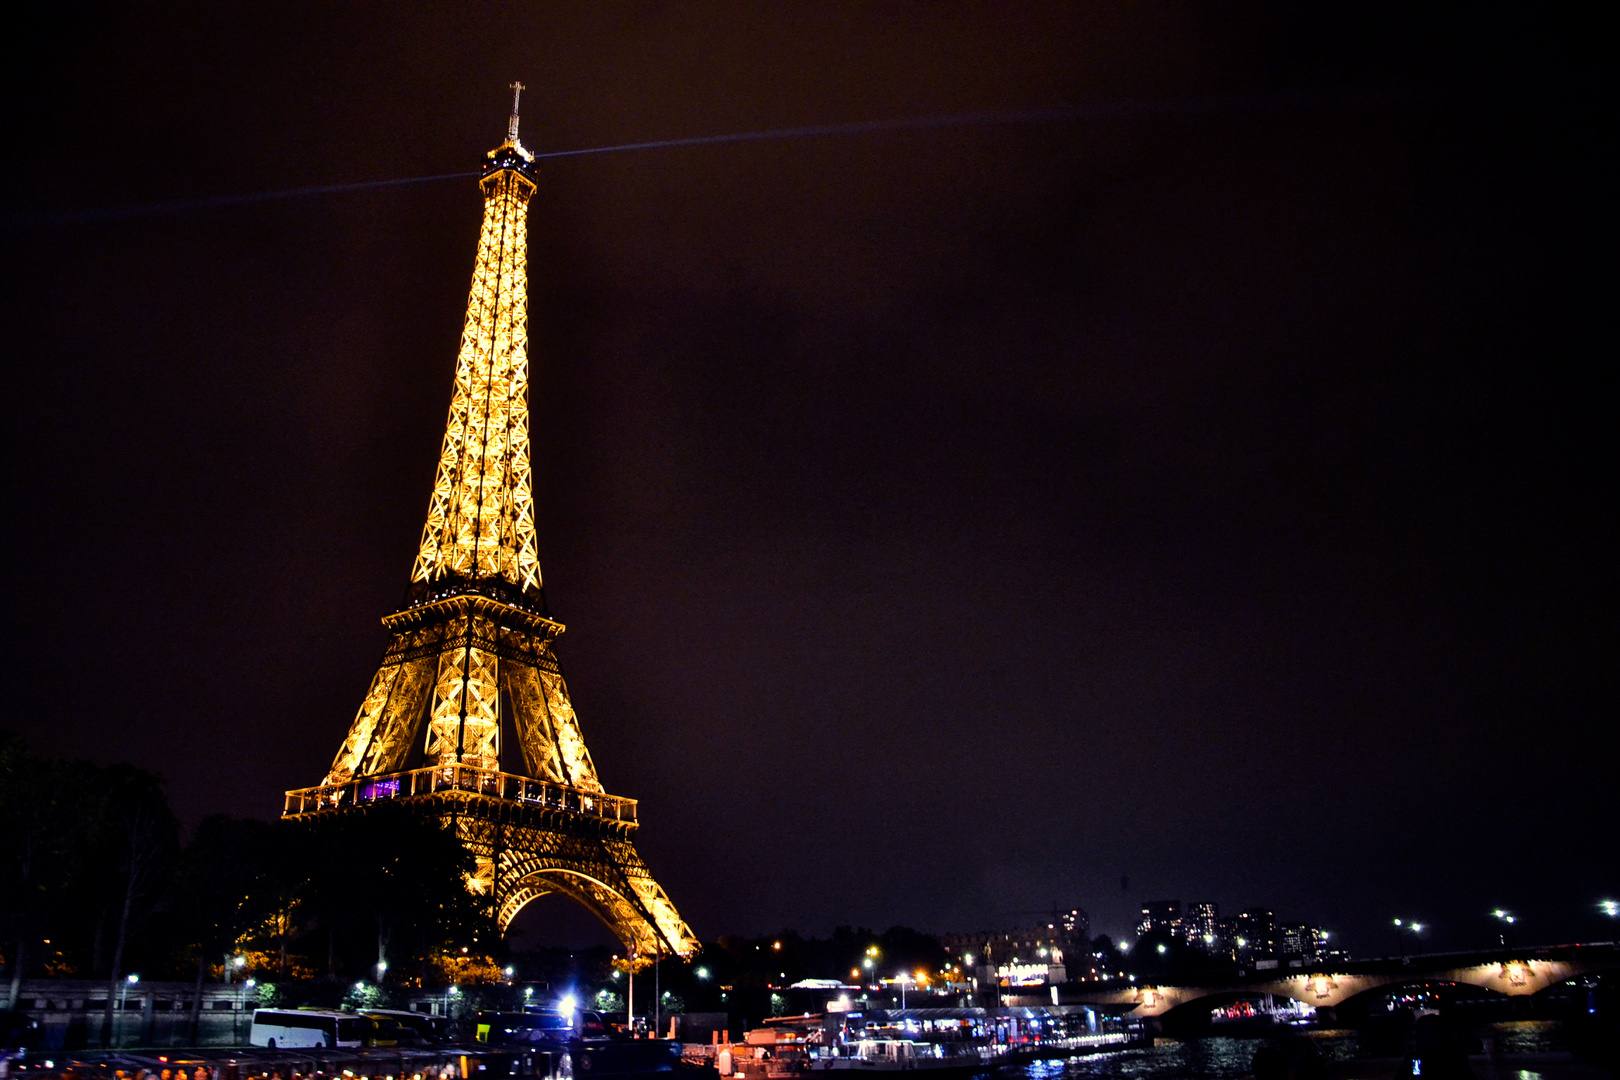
386	788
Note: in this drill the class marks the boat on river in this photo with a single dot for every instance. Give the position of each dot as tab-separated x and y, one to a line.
909	1055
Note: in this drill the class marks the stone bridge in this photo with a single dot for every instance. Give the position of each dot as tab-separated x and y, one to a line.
1516	972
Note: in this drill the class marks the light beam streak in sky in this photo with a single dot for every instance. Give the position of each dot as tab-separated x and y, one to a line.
1119	110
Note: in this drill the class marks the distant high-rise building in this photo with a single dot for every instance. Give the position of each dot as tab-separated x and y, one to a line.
1251	937
1159	915
1076	923
1297	944
1202	925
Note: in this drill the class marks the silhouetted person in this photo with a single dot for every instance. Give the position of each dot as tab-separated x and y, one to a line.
1439	1051
1269	1064
1311	1066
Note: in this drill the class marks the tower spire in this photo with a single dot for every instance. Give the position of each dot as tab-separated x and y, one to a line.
480	523
512	124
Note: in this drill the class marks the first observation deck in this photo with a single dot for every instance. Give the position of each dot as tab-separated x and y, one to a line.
462	780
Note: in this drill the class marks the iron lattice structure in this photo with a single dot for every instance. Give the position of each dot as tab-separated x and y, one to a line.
471	653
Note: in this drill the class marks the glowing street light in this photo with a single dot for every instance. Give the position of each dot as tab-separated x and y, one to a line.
129	981
902	979
1611	908
1403	927
1507	919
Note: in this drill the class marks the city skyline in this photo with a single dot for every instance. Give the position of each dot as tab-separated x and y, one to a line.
1189	489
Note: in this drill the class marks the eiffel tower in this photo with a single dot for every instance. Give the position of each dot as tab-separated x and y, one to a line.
469	680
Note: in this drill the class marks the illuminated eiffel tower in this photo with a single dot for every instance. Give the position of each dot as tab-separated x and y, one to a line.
469	680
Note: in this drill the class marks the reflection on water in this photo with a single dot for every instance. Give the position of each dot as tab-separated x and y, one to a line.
1214	1058
1226	1058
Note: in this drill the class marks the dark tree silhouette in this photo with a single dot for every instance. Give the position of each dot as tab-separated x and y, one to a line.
225	886
391	875
141	840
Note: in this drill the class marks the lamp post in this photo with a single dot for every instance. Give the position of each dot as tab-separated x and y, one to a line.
630	995
902	979
1507	919
241	1007
118	1035
1402	927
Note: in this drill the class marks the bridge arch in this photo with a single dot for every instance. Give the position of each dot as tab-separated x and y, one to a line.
1191	1015
1359	1004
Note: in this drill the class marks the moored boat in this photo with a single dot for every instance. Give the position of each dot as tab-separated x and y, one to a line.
908	1055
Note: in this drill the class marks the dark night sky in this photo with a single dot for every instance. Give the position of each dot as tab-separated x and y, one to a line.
1216	491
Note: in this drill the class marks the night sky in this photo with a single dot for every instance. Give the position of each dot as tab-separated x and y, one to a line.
1205	478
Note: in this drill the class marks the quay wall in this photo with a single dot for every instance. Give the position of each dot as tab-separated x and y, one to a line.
156	1014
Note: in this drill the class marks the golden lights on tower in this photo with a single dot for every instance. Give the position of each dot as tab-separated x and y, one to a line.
471	650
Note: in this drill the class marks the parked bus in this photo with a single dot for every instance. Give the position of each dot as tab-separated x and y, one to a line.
286	1028
401	1027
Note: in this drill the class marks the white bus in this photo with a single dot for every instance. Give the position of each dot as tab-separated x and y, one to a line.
288	1028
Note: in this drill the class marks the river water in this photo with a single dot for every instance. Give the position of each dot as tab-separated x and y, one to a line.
1522	1050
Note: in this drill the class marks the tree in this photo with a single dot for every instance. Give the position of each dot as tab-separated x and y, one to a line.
141	838
224	888
391	876
48	824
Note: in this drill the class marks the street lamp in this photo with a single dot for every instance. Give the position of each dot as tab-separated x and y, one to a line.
1413	928
867	964
902	979
241	1007
1507	919
1611	908
122	991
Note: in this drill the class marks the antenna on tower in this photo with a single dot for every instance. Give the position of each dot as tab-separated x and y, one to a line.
512	124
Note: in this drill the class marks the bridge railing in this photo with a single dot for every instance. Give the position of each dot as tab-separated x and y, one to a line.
461	778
